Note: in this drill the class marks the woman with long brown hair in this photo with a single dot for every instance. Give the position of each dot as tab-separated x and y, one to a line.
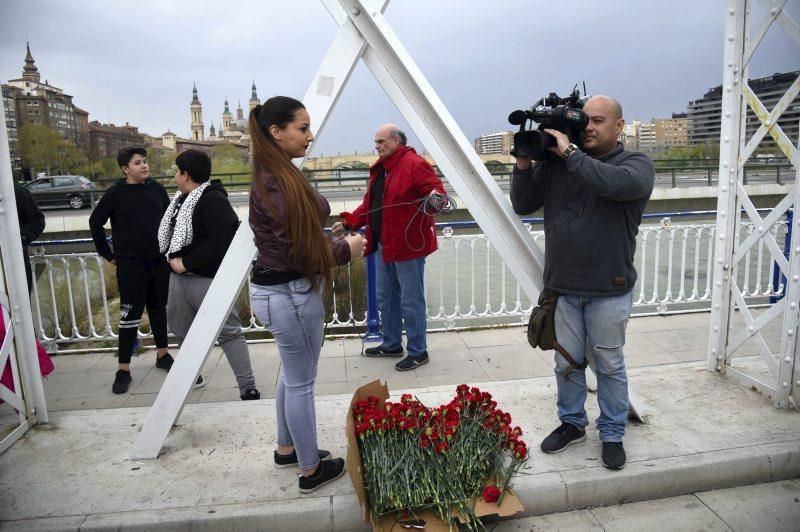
294	263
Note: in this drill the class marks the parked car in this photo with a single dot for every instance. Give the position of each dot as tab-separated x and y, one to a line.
73	191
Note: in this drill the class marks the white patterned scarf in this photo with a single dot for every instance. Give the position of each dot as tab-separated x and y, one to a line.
174	236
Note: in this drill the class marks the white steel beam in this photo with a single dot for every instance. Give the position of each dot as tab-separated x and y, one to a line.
727	206
321	96
415	98
15	281
788	382
363	34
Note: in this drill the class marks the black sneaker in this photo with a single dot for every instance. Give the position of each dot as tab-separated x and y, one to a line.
165	362
381	352
251	394
613	455
563	437
122	381
327	472
411	362
199	383
289	460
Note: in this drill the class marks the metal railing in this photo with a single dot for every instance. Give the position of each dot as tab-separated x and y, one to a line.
467	285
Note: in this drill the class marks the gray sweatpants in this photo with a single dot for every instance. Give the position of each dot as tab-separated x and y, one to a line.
186	292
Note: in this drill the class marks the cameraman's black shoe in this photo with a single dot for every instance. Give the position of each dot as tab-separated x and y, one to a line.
613	455
122	380
563	437
381	352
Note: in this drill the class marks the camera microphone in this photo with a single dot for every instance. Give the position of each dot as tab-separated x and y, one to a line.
517	118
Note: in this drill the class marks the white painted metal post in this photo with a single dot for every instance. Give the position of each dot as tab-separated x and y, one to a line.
788	377
727	205
21	318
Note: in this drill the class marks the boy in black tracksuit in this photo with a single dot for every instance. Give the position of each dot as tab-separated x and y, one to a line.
135	205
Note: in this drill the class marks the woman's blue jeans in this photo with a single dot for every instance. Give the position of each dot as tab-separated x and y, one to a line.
597	324
294	314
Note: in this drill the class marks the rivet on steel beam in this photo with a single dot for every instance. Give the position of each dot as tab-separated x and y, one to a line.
716	306
730	181
760	229
789	332
727	139
728	114
713	351
719	283
785	384
719	357
719	260
722	213
731	11
716	328
355	11
719	368
722	237
730	37
725	278
724	189
795	278
767	123
787	360
730	63
751	328
724	165
773	10
792	305
725	266
735	81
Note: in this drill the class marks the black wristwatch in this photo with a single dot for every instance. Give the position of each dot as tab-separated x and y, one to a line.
569	150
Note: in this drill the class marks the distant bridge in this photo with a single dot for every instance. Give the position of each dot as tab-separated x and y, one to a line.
358	161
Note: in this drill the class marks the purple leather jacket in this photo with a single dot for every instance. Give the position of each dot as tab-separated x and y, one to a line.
272	236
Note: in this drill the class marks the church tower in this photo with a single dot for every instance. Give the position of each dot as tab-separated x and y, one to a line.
253	97
239	112
30	72
212	133
198	131
227	118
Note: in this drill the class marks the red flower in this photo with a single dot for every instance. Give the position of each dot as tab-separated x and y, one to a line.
491	493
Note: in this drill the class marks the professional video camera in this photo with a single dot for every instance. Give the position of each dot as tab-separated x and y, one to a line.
553	112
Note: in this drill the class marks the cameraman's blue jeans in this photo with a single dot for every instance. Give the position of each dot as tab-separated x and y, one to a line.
294	314
401	298
596	323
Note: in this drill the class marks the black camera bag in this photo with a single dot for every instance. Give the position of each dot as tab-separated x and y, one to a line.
542	329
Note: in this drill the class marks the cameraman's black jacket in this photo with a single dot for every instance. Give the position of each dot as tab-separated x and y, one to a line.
592	211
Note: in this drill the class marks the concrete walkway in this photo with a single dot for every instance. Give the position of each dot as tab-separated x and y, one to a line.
770	507
82	382
703	432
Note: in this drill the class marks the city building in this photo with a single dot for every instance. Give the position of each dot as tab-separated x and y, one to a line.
500	143
630	135
40	103
647	136
107	139
671	132
11	128
181	145
196	110
704	114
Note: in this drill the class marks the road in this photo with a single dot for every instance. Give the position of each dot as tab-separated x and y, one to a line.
353	191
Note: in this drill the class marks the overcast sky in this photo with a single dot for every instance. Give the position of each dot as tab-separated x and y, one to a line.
135	61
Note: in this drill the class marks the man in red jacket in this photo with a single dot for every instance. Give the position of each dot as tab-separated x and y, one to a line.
402	235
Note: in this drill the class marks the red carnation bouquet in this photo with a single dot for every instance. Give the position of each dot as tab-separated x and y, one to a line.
441	459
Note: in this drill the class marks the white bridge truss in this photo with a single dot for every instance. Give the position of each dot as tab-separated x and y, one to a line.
732	323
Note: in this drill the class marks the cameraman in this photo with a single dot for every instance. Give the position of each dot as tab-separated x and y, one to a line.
593	199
